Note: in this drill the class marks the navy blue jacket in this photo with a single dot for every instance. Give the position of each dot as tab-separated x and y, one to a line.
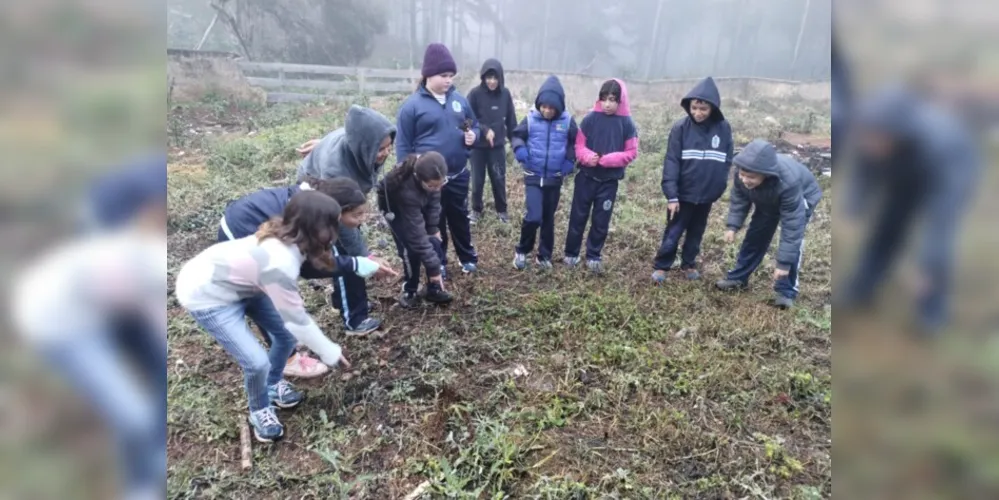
493	108
698	157
788	192
426	125
614	138
550	144
244	216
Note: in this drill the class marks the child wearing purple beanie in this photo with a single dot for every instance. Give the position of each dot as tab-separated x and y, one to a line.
438	118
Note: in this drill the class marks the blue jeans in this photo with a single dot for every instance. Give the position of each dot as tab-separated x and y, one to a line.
122	375
761	232
260	367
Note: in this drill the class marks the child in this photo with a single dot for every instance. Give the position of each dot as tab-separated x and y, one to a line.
543	144
493	105
695	172
438	118
410	198
229	281
783	192
607	142
244	216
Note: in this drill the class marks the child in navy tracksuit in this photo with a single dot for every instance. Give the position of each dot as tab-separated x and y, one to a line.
695	172
606	143
492	104
544	145
438	118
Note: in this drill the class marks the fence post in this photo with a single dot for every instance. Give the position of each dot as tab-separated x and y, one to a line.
281	77
360	79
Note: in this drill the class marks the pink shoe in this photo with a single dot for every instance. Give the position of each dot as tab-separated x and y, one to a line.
302	366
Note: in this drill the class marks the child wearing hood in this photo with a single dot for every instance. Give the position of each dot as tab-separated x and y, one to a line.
493	105
695	173
607	142
438	118
781	192
543	144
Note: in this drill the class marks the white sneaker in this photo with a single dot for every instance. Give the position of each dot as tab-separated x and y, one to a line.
302	366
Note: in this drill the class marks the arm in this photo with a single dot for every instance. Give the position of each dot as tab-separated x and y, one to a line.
281	286
792	226
511	116
671	165
518	135
470	114
344	265
738	204
405	131
433	214
570	153
414	231
352	241
622	159
730	151
583	153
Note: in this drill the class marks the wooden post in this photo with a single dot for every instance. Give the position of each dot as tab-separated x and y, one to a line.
246	452
361	73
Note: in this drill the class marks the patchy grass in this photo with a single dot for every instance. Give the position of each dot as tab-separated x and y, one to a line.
531	385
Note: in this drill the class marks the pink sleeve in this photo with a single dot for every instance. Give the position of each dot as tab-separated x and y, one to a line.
582	152
622	158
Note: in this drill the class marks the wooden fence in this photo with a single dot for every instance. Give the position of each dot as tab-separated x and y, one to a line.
302	82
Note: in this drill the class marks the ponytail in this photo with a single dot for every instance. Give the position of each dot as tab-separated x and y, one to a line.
395	177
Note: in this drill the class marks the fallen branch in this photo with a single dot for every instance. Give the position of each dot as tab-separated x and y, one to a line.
418	491
244	445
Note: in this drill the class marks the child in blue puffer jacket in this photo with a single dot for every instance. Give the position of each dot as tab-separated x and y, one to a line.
543	145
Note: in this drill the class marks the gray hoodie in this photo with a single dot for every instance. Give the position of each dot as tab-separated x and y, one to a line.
788	187
350	151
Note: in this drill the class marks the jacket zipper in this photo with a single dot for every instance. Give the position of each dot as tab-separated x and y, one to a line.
548	146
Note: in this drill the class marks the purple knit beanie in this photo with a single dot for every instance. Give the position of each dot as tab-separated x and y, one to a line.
436	60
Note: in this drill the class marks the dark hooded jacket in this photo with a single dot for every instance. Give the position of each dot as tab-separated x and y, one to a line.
416	216
551	150
350	151
493	108
788	192
698	157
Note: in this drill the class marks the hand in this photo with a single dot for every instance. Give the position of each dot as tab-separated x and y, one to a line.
469	138
439	279
343	361
307	147
520	154
673	208
780	273
436	236
593	160
384	270
729	236
490	135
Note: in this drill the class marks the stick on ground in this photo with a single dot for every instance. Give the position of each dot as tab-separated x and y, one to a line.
244	445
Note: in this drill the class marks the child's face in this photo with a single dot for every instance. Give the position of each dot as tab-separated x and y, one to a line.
384	149
699	110
609	104
492	81
354	218
751	180
547	112
439	84
436	185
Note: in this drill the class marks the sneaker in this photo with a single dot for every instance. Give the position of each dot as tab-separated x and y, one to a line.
409	300
520	261
659	276
284	396
595	266
543	264
437	296
571	261
301	365
365	327
504	218
782	302
266	426
727	284
474	217
692	274
469	268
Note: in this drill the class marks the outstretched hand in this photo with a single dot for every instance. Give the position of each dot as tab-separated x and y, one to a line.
307	147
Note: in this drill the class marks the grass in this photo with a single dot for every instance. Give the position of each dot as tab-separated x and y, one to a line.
539	385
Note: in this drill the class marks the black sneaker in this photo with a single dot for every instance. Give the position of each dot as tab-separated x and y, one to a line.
727	285
474	217
363	328
782	302
504	218
692	274
409	300
435	295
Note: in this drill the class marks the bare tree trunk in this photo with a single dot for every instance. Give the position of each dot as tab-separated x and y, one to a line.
478	52
207	31
412	33
801	32
498	50
655	37
219	7
544	39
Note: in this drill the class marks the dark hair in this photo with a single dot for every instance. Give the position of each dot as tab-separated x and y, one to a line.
422	84
311	220
610	87
346	191
427	167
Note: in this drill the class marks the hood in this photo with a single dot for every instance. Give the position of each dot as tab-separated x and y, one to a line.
552	94
758	156
495	65
365	129
707	91
623	109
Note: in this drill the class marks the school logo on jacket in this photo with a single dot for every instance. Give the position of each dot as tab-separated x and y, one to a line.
608	205
456	106
715	141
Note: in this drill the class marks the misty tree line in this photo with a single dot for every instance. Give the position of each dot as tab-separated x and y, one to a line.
646	39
